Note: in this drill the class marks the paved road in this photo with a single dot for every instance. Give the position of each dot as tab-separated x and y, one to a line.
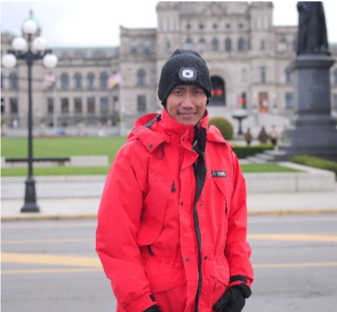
52	266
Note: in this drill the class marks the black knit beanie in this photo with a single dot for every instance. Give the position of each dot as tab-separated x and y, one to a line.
184	67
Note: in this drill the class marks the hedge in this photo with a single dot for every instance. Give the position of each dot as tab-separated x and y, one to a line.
247	151
224	126
315	162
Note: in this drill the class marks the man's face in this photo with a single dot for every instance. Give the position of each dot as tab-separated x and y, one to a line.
186	104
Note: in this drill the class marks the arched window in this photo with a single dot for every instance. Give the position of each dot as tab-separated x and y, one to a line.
78	81
147	47
64	81
215	44
202	45
2	81
241	44
141	77
103	80
188	44
228	44
282	45
288	75
91	81
335	77
13	81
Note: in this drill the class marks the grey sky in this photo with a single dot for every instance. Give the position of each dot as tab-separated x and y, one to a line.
96	23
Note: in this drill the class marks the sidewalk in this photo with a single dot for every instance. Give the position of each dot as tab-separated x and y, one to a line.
268	203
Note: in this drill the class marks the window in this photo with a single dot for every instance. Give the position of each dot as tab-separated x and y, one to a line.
289	100
104	105
288	75
147	47
240	25
334	107
228	26
295	44
215	44
282	45
91	81
64	105
91	105
13	81
262	45
64	81
201	26
2	105
188	26
13	106
141	77
241	44
78	81
335	77
168	47
215	26
50	105
263	75
202	45
134	47
141	103
188	44
103	80
228	44
2	81
78	105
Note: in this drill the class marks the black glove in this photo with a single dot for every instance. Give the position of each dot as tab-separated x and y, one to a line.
234	299
153	308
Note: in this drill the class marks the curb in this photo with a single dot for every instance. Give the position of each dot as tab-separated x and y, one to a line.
94	216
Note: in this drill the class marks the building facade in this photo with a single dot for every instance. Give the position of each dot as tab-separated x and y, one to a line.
249	60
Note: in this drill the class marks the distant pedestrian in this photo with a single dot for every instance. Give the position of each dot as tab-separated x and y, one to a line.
263	135
273	135
248	136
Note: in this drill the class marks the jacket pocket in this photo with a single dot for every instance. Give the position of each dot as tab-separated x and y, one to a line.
219	273
154	211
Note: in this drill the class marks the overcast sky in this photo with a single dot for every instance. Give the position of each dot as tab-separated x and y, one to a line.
96	23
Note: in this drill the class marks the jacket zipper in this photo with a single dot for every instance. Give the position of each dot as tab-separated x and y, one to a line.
150	250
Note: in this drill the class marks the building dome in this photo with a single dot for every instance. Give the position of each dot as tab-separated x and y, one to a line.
32	18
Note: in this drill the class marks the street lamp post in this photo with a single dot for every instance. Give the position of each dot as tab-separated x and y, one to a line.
30	51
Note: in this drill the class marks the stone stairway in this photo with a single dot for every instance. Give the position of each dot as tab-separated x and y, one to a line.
270	156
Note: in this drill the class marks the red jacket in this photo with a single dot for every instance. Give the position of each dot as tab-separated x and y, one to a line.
157	245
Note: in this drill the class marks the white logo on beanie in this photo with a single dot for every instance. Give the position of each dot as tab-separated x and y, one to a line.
187	73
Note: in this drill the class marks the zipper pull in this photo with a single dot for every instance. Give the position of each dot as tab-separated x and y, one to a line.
150	250
173	187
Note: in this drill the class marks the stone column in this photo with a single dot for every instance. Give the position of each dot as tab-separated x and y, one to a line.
313	129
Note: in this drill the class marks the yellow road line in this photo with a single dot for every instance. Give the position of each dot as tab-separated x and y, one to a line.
294	237
35	241
51	260
294	265
49	271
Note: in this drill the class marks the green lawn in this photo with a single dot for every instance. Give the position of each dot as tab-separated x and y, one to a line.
62	146
48	147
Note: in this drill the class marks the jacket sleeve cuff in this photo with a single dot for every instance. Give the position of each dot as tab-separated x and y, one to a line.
141	304
243	283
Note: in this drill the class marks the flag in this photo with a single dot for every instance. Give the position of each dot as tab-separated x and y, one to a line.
114	80
49	79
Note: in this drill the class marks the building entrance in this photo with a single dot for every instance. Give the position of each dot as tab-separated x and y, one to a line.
218	92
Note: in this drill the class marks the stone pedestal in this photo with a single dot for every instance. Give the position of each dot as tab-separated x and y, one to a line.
313	130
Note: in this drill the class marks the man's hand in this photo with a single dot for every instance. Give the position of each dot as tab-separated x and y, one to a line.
153	308
233	300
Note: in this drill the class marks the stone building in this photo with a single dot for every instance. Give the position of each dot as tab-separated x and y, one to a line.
249	60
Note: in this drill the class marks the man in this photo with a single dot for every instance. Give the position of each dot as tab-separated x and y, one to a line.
172	222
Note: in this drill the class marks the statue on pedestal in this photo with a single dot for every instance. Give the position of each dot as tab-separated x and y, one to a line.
312	35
